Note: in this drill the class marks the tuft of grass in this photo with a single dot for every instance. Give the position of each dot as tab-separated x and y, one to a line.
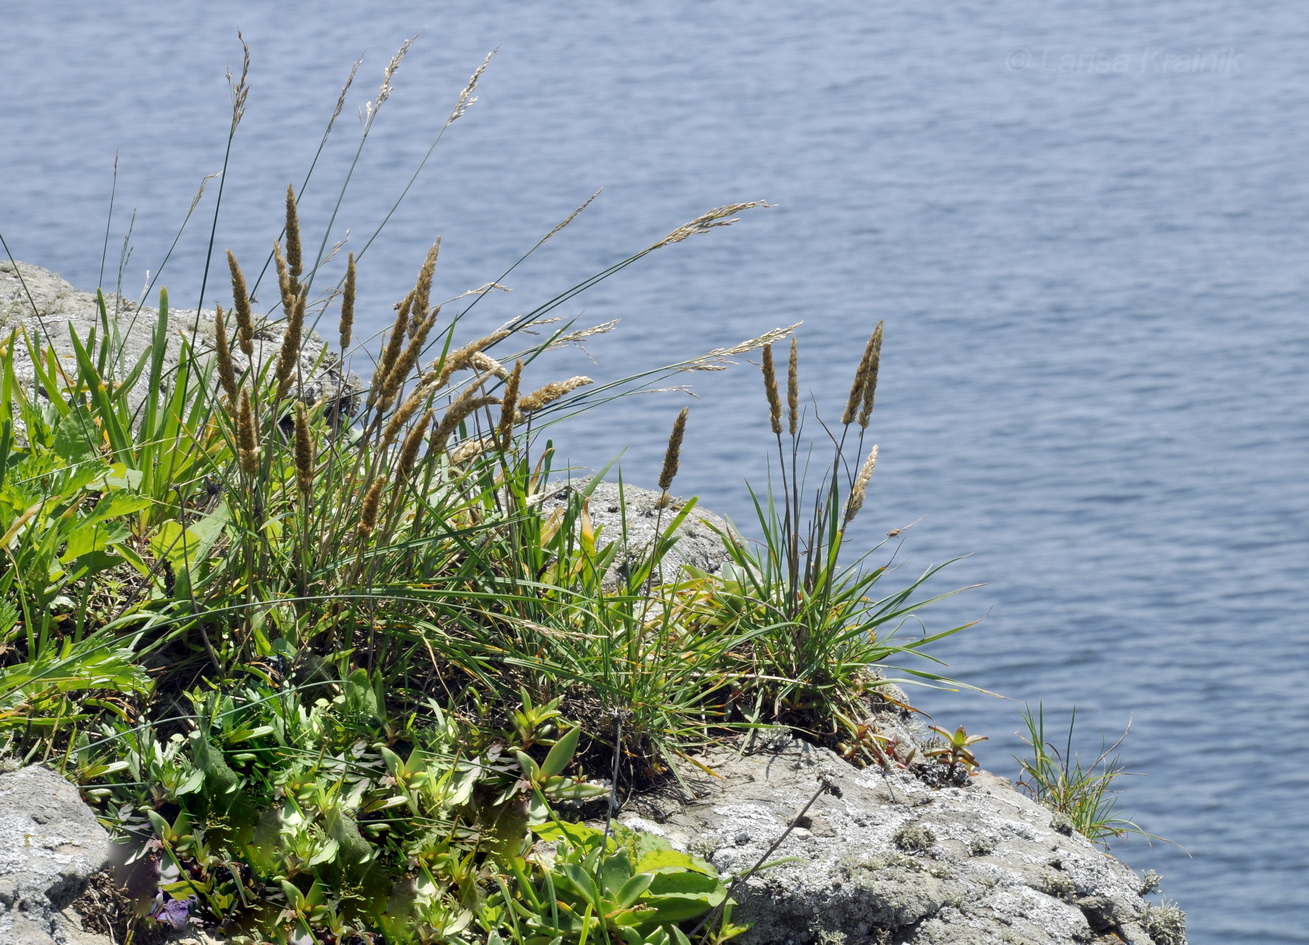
1084	792
334	676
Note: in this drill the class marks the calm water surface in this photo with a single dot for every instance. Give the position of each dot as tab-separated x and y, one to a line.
1084	225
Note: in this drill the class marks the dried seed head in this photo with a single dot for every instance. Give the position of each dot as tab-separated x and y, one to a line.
241	89
719	216
673	455
861	375
458	411
793	387
860	488
543	396
368	510
483	363
246	442
423	288
409	448
407	409
288	359
245	323
572	216
870	384
467	449
226	370
770	391
304	451
385	386
348	303
285	284
462	358
509	407
293	260
466	97
418	332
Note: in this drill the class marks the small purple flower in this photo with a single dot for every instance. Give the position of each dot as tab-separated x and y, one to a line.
176	912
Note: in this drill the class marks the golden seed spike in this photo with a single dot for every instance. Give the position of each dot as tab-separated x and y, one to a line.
673	455
509	407
293	260
543	396
246	442
860	488
245	323
870	385
348	304
304	451
770	390
226	370
793	387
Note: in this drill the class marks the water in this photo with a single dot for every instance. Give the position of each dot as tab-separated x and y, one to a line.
1084	226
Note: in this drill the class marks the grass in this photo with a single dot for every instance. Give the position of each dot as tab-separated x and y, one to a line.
334	676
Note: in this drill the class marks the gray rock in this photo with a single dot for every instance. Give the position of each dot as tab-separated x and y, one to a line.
46	308
634	512
881	857
50	845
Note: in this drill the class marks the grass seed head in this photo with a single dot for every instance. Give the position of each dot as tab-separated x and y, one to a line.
870	385
771	392
288	358
860	488
544	396
368	509
673	455
246	441
304	451
509	407
223	352
293	260
348	304
245	323
793	387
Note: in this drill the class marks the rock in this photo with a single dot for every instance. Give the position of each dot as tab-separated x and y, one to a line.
881	857
634	512
38	302
50	845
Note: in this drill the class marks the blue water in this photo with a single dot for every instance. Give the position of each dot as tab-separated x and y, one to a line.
1085	226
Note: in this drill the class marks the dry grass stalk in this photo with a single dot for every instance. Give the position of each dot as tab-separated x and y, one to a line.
544	396
368	509
418	332
370	109
385	386
466	96
409	448
463	406
601	329
467	449
223	352
293	258
509	407
717	359
793	388
719	216
860	488
288	358
870	385
672	455
245	323
286	285
771	392
304	452
423	288
408	407
462	358
483	363
241	90
348	303
572	216
247	444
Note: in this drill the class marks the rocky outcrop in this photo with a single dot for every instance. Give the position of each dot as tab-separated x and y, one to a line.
634	514
880	857
50	845
47	309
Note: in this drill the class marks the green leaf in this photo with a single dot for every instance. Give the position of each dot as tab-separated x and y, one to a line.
562	753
